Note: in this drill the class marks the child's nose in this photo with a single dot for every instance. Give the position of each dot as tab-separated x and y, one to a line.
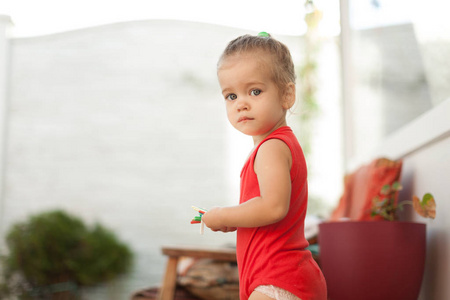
242	104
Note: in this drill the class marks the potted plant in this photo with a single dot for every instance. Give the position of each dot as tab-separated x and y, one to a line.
385	204
54	253
379	259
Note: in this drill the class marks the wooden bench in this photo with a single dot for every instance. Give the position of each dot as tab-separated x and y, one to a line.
174	253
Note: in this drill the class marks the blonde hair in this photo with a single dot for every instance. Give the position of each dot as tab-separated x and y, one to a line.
282	66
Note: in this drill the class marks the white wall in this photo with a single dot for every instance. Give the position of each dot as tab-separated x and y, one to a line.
428	170
123	124
424	146
5	24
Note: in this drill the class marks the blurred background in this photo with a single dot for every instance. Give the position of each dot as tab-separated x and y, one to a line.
111	110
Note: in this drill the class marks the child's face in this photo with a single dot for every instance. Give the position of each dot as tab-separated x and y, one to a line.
253	102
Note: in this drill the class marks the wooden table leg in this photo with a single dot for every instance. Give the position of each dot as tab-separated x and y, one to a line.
167	291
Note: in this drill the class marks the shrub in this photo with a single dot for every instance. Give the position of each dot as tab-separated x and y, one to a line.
55	247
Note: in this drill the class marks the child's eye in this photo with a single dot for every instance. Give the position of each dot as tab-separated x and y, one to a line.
255	92
231	97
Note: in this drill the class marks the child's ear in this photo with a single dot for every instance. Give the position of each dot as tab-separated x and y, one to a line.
289	96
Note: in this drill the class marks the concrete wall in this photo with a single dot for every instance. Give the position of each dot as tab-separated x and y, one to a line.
424	146
123	124
428	170
5	24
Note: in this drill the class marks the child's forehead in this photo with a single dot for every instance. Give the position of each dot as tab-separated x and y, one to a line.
242	71
248	58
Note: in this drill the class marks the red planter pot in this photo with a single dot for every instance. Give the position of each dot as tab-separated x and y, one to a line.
377	260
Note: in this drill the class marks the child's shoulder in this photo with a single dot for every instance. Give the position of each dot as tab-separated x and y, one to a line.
274	149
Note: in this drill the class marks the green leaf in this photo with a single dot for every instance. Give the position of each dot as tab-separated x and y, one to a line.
426	198
427	207
397	186
386	189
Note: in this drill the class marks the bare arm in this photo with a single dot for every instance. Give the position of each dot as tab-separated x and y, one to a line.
272	167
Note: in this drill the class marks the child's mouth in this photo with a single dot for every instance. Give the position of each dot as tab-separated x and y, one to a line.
243	119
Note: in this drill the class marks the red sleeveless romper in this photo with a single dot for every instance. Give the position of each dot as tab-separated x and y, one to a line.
275	254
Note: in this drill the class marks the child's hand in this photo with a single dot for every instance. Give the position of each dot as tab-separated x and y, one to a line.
212	220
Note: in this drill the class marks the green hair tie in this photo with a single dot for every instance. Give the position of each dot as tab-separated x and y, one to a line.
263	34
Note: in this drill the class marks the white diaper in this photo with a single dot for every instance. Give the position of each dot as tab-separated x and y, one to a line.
276	293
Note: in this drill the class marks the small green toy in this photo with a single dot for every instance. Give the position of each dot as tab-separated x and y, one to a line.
198	219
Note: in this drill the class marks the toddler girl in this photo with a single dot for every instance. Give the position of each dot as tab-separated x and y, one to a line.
257	78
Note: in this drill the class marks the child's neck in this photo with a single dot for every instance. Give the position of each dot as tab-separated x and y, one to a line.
257	139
